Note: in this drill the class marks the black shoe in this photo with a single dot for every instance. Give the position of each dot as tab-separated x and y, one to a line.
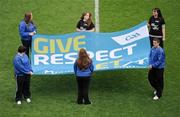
80	102
87	102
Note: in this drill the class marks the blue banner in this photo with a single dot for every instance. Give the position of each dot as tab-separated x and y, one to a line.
56	54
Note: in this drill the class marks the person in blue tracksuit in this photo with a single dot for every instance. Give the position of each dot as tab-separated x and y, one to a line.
23	72
83	69
156	68
27	29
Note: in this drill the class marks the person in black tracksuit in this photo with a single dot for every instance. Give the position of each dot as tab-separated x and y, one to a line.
85	23
83	69
156	26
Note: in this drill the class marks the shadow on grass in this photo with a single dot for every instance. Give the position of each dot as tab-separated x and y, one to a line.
122	81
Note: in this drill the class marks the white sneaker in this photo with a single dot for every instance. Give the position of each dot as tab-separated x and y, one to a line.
28	100
18	102
155	97
155	92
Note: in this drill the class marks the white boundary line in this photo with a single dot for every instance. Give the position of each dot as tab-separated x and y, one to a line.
97	15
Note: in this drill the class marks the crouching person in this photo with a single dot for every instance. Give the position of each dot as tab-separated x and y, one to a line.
83	69
23	72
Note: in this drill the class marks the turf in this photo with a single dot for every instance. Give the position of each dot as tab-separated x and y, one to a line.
125	93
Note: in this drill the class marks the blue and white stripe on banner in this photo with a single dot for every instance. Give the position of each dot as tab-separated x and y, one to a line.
55	54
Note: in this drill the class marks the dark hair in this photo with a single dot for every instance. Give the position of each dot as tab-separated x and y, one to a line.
27	17
21	49
156	39
83	60
89	21
158	11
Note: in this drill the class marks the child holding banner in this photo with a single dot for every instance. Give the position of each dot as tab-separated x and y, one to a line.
23	72
156	25
83	69
85	23
156	68
27	29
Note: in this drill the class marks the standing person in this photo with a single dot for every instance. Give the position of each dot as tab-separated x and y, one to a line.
156	68
85	23
23	72
83	69
156	25
27	29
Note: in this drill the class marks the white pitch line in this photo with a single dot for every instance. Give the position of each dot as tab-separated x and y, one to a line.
97	15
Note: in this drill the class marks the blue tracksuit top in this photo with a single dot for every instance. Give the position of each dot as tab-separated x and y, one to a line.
157	58
21	65
83	73
25	29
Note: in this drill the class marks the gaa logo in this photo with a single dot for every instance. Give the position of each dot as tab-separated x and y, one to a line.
131	37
